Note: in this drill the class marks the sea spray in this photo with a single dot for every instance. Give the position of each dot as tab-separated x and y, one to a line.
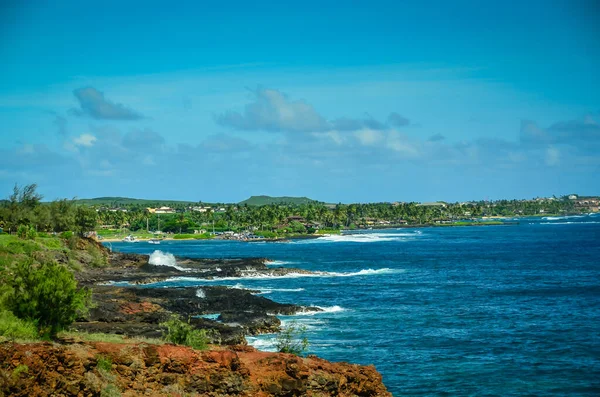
159	258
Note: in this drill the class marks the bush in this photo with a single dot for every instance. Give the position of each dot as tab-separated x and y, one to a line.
31	233
292	339
104	364
182	333
12	327
265	234
66	235
22	232
46	294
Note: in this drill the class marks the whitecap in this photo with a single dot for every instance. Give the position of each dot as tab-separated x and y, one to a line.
278	263
366	237
263	343
569	223
159	258
324	310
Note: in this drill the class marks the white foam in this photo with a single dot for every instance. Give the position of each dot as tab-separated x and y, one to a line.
278	263
558	218
159	258
200	293
273	276
324	310
367	237
569	223
263	290
263	343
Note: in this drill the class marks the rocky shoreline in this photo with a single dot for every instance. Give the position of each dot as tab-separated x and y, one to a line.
135	310
139	362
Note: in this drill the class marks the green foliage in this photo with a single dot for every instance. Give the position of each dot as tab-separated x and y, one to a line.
31	234
265	234
52	243
203	236
182	333
16	247
46	294
85	219
98	260
20	369
110	390
22	232
66	235
103	363
292	339
268	200
12	327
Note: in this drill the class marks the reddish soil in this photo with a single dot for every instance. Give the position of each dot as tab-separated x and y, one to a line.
111	369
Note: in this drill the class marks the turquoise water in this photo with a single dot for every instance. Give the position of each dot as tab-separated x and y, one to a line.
496	310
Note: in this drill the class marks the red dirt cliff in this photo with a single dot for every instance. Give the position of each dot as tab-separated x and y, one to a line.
113	369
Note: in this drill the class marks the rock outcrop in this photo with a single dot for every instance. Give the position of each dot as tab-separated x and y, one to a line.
111	369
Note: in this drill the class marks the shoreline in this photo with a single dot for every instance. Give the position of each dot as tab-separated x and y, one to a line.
316	236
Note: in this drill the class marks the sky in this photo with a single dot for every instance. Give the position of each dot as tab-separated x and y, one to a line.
360	101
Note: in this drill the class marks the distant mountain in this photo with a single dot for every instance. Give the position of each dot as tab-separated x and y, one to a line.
267	200
118	201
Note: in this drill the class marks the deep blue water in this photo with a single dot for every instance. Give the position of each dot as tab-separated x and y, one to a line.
496	310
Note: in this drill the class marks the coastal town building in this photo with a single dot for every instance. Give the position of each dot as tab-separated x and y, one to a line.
161	210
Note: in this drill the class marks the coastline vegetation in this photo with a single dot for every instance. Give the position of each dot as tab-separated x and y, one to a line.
114	218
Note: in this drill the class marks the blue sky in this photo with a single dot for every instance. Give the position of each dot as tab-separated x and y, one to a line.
370	101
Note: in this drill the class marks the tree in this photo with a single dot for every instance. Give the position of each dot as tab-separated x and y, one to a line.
46	294
85	219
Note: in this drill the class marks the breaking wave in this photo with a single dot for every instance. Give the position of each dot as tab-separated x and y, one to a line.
278	263
159	258
262	276
266	290
570	223
324	310
365	237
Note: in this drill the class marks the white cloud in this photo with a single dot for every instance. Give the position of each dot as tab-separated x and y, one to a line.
369	137
86	140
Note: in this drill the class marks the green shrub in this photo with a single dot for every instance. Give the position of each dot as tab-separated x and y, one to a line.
66	235
98	259
266	234
31	233
182	333
20	369
292	339
104	364
22	232
49	242
21	247
12	327
46	294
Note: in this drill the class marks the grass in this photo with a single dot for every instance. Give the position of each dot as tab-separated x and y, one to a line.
108	338
121	234
14	328
203	236
328	231
461	223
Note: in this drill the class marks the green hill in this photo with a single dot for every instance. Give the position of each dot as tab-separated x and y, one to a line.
267	200
122	201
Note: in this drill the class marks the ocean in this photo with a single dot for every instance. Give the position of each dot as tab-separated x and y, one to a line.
494	310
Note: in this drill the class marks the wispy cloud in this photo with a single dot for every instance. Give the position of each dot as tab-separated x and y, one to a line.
93	103
271	110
